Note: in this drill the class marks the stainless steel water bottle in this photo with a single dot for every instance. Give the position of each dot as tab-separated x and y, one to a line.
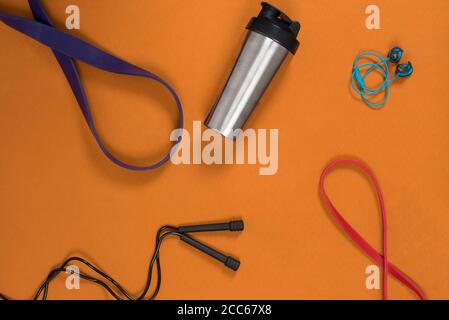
271	37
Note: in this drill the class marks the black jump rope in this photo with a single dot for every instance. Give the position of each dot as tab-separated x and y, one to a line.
117	291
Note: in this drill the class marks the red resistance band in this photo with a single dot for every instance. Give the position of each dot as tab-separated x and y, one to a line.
357	238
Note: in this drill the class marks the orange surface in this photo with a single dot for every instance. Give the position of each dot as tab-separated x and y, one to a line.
59	195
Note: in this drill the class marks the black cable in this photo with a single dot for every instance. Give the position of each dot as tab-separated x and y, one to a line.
158	267
103	274
116	290
122	294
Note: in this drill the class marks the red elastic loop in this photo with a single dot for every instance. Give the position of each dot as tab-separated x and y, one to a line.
380	259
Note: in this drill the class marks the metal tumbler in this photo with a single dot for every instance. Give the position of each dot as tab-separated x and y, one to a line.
271	37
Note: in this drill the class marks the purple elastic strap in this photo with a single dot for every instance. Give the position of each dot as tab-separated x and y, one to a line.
67	49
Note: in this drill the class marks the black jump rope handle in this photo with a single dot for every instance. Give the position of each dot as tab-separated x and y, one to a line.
227	261
230	226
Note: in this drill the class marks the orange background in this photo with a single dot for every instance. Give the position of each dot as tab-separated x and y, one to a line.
60	196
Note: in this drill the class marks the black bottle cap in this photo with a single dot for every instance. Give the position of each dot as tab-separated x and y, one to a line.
276	25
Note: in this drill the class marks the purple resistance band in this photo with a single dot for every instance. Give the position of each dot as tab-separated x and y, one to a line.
67	49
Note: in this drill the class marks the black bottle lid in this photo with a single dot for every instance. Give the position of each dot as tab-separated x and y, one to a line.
276	25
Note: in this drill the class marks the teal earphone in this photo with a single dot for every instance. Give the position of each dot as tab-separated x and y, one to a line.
361	71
